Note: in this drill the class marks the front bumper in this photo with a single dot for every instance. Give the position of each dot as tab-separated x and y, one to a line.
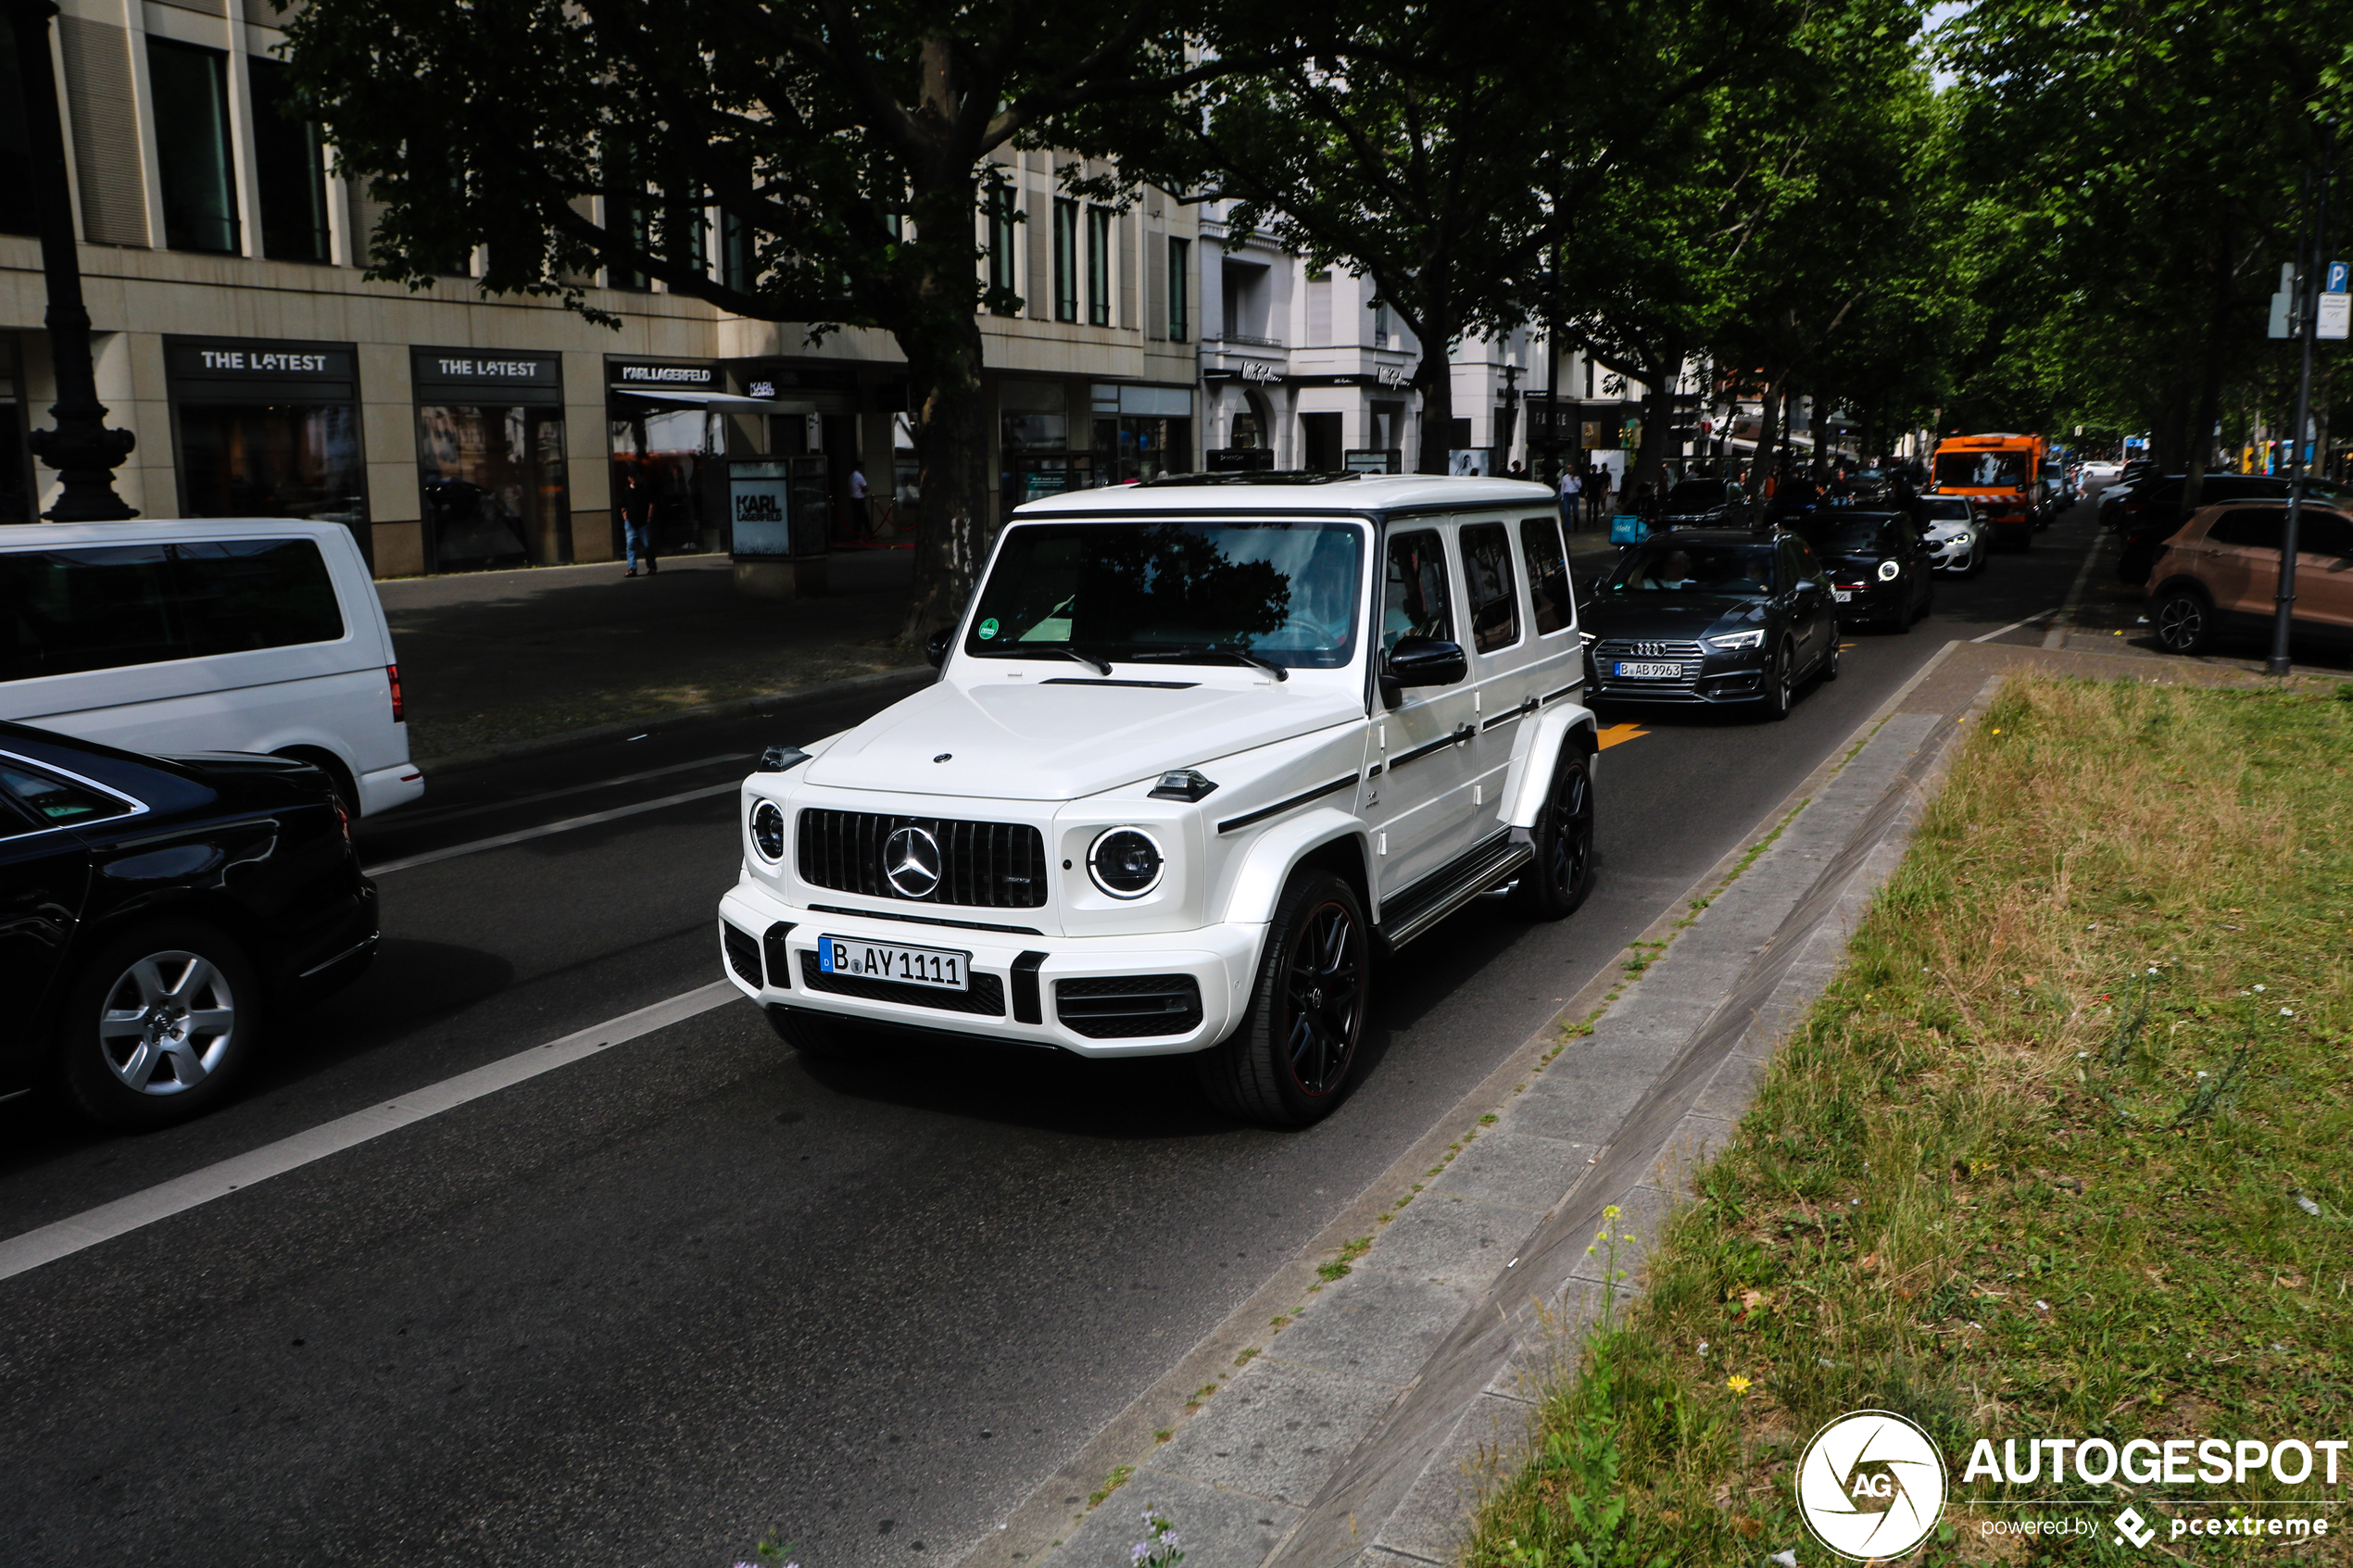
1874	600
1019	992
1952	554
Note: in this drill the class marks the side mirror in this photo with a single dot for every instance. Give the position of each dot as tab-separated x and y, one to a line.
1426	661
936	645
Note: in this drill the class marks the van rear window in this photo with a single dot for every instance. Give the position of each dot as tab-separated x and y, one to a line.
104	606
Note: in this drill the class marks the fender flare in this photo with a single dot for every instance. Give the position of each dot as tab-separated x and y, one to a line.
1268	862
1571	723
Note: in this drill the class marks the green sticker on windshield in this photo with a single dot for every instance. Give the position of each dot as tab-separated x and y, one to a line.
988	628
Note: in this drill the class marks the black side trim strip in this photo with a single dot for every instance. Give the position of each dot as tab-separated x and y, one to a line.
1565	691
926	920
1026	1005
1514	716
1421	751
1082	681
1277	810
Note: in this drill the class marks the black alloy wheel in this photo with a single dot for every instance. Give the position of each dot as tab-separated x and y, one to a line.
1291	1060
1562	872
2184	621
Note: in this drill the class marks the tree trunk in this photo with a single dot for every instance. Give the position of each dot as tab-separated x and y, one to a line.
951	448
1435	376
2209	393
1768	436
1658	418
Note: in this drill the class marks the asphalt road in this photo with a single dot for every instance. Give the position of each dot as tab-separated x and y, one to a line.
692	1290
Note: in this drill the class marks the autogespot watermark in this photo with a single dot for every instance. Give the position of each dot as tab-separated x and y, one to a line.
1873	1484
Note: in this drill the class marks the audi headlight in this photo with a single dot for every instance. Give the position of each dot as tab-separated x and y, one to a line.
1126	863
1887	571
768	831
1736	640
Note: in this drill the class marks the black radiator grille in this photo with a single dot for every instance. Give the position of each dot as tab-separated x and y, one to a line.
743	953
982	865
986	996
1127	1007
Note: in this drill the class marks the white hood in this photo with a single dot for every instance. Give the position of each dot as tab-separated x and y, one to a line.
1020	741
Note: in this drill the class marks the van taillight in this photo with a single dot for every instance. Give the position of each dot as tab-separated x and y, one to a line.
399	712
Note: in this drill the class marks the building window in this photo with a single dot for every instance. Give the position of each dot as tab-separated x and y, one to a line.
1002	257
191	116
1381	323
735	266
16	162
1066	260
289	167
1179	291
1099	266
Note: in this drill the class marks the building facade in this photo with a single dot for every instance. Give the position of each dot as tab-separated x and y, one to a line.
264	375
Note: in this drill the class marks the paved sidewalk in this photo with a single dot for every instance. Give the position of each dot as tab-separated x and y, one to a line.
494	659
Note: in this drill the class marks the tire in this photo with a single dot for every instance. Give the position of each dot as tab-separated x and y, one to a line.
1928	603
1829	669
159	1025
814	1034
2184	621
1781	684
1293	1057
1563	872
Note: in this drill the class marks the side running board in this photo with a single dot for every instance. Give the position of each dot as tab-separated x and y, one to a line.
1490	864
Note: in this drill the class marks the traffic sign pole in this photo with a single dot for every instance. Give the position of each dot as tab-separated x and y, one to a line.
2307	329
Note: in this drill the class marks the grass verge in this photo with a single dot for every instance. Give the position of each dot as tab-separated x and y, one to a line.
2062	1152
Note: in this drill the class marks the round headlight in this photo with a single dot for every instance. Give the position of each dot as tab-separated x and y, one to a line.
768	831
1887	571
1126	863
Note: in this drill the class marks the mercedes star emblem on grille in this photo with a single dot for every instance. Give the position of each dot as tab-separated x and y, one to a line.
911	859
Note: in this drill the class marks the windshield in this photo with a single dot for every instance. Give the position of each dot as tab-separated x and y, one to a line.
1869	535
1285	592
1695	494
2003	471
1664	567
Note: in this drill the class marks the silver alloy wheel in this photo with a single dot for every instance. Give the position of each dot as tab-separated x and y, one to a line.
167	1022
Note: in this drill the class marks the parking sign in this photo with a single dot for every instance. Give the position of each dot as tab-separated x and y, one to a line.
2336	278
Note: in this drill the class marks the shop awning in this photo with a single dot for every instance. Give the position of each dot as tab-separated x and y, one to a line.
720	401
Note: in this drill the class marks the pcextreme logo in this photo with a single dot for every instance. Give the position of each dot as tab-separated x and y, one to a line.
1871	1484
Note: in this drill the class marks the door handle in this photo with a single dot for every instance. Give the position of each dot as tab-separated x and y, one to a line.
1463	733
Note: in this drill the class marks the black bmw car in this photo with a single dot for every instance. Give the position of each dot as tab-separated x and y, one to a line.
156	913
1878	569
1712	615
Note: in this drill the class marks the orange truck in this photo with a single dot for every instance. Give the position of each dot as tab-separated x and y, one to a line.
2002	476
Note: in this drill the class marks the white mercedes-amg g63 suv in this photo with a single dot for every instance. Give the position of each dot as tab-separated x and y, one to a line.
1200	756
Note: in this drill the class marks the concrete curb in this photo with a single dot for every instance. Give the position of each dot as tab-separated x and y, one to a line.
1056	1511
733	708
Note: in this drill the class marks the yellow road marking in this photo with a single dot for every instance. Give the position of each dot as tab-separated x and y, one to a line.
1617	732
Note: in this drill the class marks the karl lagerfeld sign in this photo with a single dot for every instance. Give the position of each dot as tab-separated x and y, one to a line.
649	375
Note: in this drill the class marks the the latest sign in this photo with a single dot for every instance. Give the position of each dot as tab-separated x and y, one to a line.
269	362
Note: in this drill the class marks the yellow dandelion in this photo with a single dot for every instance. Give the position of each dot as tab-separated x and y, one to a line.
1737	1382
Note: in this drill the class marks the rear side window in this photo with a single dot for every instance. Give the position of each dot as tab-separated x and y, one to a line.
51	802
2324	533
106	607
1539	541
1414	601
2252	528
1494	596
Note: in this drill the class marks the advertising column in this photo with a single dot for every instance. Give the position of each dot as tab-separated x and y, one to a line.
490	448
268	427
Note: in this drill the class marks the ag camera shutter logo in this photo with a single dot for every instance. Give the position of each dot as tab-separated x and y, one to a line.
1872	1485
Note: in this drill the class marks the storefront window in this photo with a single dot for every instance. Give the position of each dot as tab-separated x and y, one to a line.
494	484
280	459
1141	432
670	454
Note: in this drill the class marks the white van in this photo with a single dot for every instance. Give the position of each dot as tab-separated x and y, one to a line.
207	634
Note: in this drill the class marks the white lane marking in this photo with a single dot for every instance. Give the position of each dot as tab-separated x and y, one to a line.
2057	635
453	813
67	1237
2014	626
520	836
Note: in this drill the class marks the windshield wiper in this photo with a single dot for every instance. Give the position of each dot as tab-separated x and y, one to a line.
1100	666
1238	655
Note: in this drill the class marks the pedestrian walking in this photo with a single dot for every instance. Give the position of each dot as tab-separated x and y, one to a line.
1569	488
637	522
858	526
1597	492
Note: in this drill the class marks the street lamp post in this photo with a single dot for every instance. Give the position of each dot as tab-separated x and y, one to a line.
2311	264
82	450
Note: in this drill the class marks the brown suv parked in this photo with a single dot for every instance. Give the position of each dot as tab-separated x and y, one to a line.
2221	571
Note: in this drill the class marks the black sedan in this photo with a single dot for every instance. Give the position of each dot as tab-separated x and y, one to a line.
1700	503
156	914
1878	569
1713	615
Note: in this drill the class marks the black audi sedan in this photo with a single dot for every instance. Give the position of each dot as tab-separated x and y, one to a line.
157	913
1879	570
1714	615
